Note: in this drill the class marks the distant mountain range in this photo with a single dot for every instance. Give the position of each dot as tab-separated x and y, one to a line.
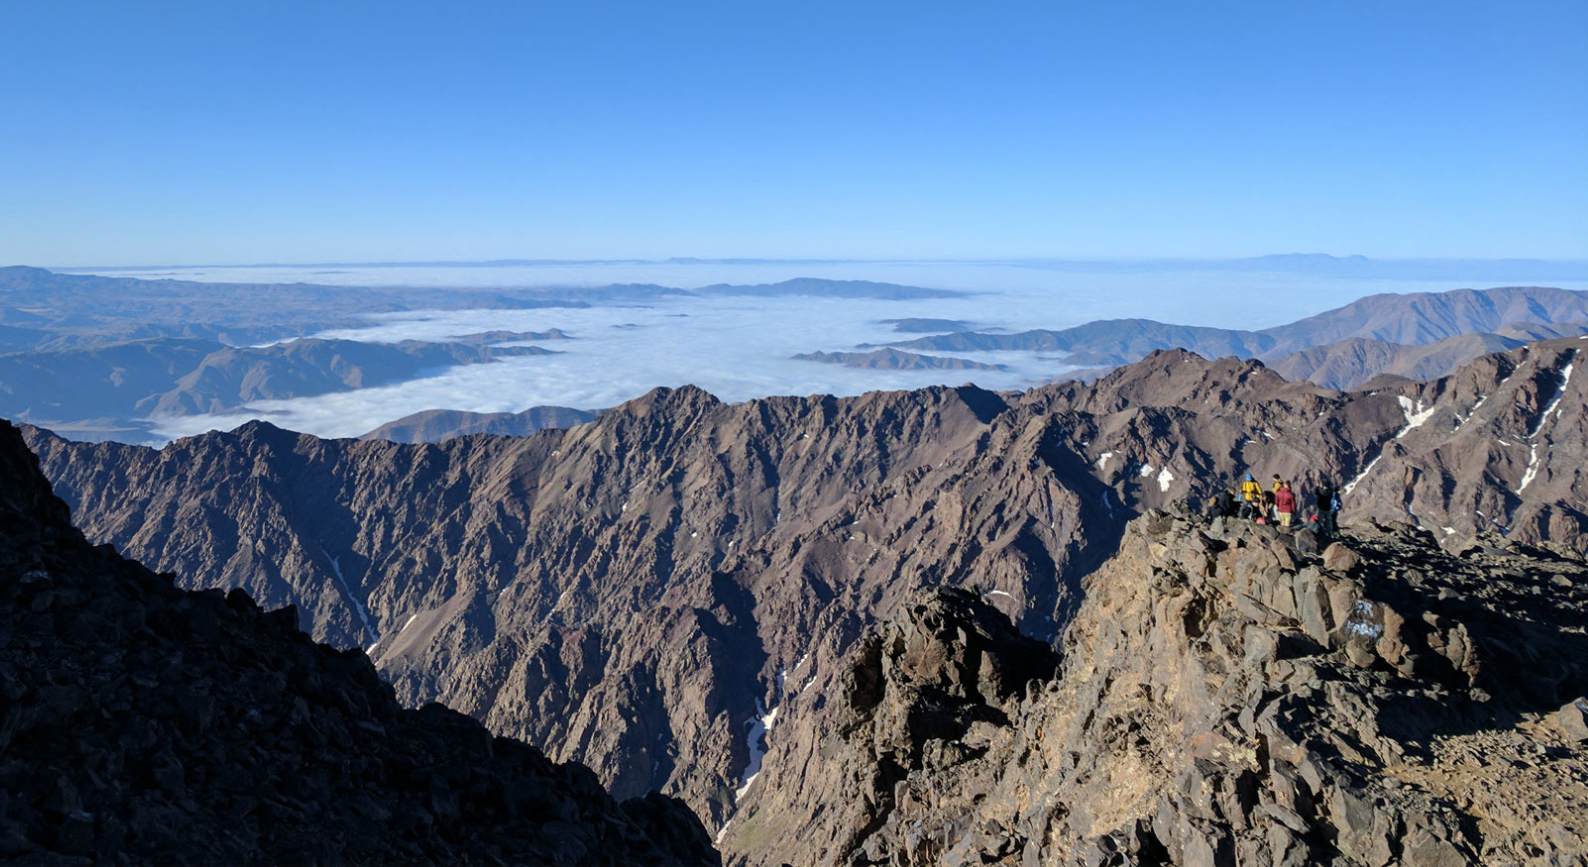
1388	323
108	389
99	356
894	359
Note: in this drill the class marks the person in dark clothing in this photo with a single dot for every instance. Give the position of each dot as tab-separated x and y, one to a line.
1326	498
1223	505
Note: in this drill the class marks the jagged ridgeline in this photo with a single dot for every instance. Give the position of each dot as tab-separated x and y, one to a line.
675	593
145	724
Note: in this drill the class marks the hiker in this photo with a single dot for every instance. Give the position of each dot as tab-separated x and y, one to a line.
1223	504
1251	497
1267	508
1285	504
1327	501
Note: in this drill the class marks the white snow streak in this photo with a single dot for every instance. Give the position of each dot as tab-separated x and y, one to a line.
1000	593
1164	478
1552	408
755	739
358	605
1532	468
1365	470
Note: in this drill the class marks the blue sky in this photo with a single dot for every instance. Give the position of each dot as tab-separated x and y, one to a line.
204	132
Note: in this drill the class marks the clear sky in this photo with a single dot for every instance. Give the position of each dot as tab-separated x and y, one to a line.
228	132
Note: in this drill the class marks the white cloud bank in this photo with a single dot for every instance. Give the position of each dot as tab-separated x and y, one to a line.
739	347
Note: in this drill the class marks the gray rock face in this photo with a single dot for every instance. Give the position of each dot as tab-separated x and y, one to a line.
670	592
143	724
1226	700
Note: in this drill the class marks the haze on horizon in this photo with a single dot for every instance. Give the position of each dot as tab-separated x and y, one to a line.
190	132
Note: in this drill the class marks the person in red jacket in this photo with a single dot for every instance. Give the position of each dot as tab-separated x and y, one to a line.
1284	503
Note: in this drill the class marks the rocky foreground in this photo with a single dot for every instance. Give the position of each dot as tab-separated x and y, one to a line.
147	725
1228	695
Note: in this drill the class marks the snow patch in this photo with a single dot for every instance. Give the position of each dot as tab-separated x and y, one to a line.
1532	468
755	739
1415	414
1102	460
1552	408
1164	478
1000	593
1147	470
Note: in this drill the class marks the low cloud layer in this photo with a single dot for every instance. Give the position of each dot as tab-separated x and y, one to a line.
739	347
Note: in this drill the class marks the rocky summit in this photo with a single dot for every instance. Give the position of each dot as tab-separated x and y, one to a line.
147	725
1228	694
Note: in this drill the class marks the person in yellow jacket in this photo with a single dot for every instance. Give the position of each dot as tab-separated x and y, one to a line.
1251	498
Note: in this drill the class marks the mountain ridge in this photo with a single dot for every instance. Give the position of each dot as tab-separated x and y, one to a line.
756	543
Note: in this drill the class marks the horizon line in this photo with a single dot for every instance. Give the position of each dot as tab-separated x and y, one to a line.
817	260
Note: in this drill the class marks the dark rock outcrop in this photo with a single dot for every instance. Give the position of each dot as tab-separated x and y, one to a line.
144	724
1225	699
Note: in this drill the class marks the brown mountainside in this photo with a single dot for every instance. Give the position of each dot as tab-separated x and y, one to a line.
640	593
1354	362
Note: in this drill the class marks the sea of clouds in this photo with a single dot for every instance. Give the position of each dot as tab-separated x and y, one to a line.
740	347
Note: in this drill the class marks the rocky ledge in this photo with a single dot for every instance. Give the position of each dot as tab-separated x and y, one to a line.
1230	694
140	724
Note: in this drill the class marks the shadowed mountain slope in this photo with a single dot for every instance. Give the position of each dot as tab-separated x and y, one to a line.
148	725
